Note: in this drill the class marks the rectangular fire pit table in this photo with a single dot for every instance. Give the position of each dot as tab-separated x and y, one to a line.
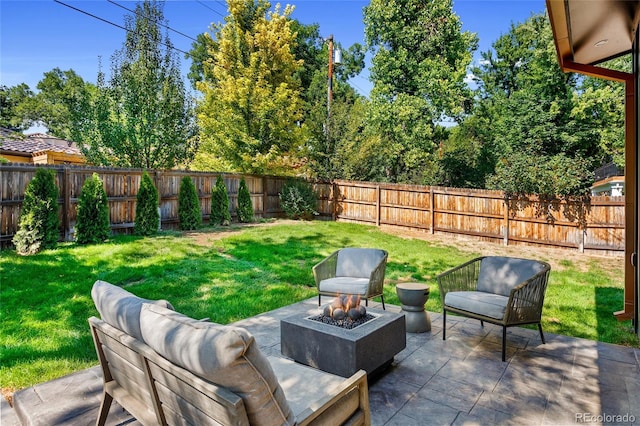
370	346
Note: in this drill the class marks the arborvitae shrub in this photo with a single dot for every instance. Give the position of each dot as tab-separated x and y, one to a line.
220	204
298	200
92	225
245	207
147	217
188	205
39	227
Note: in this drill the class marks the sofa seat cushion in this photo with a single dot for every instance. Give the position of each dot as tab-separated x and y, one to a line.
478	302
225	355
303	386
358	262
344	285
119	308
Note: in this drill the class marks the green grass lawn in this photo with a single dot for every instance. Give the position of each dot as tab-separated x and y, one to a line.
233	273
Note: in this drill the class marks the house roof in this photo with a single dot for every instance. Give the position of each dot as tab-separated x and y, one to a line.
35	143
590	32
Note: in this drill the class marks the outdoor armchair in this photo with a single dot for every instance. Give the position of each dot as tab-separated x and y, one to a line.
500	290
358	271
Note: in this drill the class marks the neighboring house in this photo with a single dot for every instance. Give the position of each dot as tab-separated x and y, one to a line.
38	148
609	180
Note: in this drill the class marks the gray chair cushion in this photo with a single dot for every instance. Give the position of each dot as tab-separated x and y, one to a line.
119	308
477	302
500	275
227	356
344	285
358	262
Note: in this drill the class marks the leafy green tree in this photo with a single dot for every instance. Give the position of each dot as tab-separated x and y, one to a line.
251	101
537	129
92	223
418	69
143	116
147	217
63	104
188	205
15	103
245	206
220	214
39	227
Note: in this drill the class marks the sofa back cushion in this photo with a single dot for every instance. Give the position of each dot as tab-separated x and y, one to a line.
119	308
358	262
499	275
225	355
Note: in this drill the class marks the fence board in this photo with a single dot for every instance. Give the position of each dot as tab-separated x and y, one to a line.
596	225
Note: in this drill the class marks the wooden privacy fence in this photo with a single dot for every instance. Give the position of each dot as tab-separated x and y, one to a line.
596	225
121	186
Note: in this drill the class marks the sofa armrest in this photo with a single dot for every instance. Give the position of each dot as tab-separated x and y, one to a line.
326	268
338	408
526	299
461	278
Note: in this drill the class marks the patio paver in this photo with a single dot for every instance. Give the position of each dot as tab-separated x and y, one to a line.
460	381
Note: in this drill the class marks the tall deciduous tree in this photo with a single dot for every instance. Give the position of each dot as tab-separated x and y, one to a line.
536	129
251	101
143	117
63	104
14	106
418	70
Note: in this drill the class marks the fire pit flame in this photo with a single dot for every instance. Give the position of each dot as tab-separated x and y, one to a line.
345	307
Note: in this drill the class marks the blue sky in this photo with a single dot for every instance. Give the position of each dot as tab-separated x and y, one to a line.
37	36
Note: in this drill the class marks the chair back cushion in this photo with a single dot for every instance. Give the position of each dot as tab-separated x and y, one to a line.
225	355
358	262
499	275
119	308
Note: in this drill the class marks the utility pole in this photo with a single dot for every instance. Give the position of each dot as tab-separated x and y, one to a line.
330	82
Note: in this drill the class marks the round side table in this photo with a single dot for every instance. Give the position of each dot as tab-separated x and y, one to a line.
413	296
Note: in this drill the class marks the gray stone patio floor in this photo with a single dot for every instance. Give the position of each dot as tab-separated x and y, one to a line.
460	381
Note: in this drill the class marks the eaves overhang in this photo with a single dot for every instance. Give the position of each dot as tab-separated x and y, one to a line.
588	32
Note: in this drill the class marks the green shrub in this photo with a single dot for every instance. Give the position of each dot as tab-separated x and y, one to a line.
92	224
220	204
39	227
147	218
188	205
298	200
245	207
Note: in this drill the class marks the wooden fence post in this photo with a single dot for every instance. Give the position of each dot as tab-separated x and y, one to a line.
432	200
334	200
505	238
377	205
66	203
264	196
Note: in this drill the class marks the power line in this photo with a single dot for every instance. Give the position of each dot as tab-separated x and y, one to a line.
169	45
210	8
159	23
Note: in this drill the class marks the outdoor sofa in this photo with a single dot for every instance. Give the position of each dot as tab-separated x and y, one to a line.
506	291
165	368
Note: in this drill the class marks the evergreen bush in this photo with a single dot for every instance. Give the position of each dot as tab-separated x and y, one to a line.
220	204
39	227
245	207
188	205
147	218
298	200
92	224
